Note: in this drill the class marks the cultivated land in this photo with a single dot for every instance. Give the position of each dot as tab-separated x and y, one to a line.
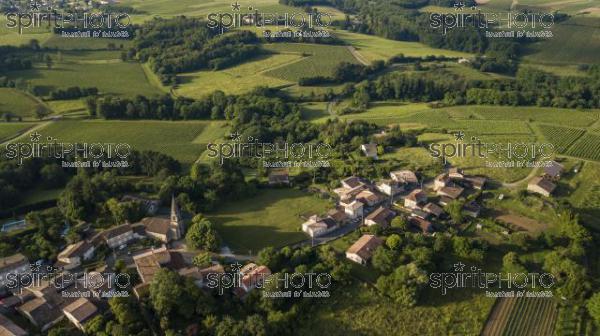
522	316
9	130
357	309
177	139
11	36
101	69
237	79
490	124
378	48
319	60
270	218
17	103
576	40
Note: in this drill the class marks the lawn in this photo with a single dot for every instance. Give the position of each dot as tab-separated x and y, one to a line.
101	69
237	79
271	218
58	42
177	139
17	103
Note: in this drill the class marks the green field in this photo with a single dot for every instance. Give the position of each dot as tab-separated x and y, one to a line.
560	137
9	130
58	42
237	79
587	147
271	218
522	316
17	103
101	69
378	48
320	60
177	139
575	41
358	309
11	36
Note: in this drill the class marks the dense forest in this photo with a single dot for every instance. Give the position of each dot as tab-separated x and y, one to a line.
185	44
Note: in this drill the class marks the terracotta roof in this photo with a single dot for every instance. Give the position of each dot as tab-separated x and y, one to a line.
423	224
404	176
381	216
365	246
40	312
82	309
542	183
75	250
150	262
337	215
416	195
554	169
433	209
9	328
256	276
158	225
116	231
12	261
452	192
352	181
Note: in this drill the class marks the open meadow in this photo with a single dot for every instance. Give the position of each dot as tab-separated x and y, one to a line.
12	129
270	218
17	103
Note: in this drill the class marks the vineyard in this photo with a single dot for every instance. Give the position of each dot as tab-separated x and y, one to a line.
587	147
561	137
521	316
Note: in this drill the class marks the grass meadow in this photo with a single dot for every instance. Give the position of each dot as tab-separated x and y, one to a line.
17	103
270	218
9	130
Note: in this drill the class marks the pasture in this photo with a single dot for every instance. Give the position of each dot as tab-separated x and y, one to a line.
178	139
17	103
11	36
270	218
58	42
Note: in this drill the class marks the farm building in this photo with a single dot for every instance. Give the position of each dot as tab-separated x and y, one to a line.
541	186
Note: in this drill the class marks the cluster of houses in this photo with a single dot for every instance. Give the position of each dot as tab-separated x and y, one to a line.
162	228
362	201
545	184
420	210
46	301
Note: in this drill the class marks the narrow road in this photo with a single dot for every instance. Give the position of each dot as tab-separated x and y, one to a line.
358	56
